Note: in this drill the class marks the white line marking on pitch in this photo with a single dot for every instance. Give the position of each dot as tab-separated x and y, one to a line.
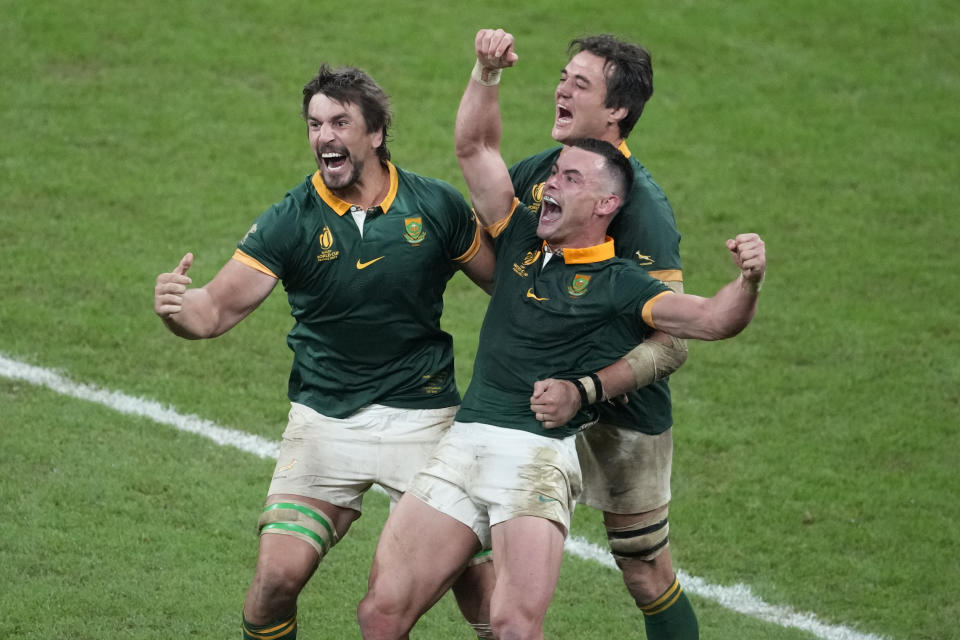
738	597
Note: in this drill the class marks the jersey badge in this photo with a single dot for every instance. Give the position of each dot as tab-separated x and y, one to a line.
435	383
645	260
326	246
530	258
579	285
253	229
414	233
537	193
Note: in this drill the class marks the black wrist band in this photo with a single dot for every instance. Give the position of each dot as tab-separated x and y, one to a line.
598	386
582	391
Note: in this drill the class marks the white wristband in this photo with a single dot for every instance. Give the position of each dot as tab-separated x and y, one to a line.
493	75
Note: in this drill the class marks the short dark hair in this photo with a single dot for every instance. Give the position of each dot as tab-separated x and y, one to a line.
353	86
628	70
615	163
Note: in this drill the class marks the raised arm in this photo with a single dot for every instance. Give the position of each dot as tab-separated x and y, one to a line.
724	315
214	309
477	131
729	310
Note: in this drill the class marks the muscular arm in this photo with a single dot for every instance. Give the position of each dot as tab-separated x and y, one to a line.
682	316
729	310
213	309
478	130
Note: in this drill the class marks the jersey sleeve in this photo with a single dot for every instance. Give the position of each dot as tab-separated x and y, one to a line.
271	238
644	291
459	224
645	230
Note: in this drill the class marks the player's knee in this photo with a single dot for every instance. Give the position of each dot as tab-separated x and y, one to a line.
514	623
381	617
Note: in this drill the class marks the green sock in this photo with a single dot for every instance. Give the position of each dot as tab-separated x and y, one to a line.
671	616
276	630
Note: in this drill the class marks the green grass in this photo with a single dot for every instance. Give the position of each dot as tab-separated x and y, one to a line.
816	454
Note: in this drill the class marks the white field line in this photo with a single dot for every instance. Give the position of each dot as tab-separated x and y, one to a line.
738	597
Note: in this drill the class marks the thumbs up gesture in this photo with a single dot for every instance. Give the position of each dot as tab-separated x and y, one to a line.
168	294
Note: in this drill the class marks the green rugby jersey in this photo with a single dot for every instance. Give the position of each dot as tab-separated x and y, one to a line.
646	233
565	319
367	307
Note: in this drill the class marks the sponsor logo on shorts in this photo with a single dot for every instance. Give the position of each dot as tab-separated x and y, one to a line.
547	499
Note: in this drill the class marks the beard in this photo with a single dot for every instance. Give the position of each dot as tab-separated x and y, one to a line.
336	179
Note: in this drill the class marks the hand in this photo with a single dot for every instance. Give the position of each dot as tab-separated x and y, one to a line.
494	48
554	402
168	294
749	255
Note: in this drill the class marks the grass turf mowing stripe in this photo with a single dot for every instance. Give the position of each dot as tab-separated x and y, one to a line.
737	598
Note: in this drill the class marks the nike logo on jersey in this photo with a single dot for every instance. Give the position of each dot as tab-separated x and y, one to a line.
546	499
531	294
364	265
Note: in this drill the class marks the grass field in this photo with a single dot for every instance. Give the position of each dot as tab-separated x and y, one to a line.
817	454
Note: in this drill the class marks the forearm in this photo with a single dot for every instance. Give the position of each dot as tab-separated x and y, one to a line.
198	317
478	125
722	316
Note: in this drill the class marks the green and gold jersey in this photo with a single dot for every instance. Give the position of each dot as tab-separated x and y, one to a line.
563	319
645	232
367	305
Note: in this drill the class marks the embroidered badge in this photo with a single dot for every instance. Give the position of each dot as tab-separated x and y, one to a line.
537	193
414	233
326	242
579	285
530	258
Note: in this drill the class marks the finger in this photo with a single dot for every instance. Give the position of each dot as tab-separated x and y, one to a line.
169	288
504	43
185	263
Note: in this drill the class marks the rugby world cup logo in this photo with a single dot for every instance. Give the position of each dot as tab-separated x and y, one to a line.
537	193
413	230
326	238
579	285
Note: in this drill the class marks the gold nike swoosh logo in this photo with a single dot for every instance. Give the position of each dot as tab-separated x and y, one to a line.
530	294
364	265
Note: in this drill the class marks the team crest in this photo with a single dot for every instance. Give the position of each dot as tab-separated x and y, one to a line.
414	233
579	285
326	243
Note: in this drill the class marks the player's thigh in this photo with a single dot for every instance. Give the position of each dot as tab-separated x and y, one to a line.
420	553
527	556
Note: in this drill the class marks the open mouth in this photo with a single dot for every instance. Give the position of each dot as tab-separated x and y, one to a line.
333	159
564	115
550	209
